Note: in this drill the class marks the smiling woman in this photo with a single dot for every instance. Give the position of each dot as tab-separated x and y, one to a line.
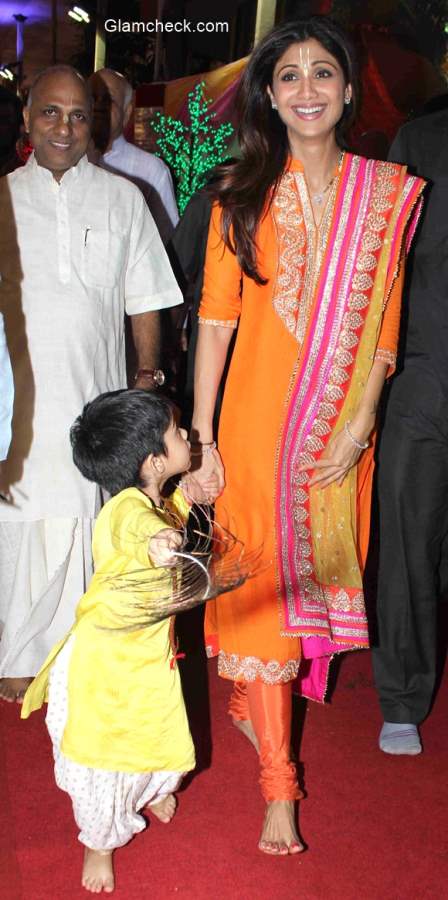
305	256
58	119
309	87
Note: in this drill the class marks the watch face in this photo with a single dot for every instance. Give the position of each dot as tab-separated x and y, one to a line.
159	377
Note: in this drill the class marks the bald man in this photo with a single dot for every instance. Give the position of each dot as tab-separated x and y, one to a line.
78	249
112	110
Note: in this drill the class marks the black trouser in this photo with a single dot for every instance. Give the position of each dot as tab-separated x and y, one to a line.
413	505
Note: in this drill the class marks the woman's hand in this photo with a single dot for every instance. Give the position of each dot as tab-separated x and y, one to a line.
341	454
192	490
162	547
208	472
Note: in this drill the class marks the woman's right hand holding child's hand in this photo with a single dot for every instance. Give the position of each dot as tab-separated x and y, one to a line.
163	546
210	474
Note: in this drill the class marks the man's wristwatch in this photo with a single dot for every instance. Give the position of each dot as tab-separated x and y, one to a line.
156	376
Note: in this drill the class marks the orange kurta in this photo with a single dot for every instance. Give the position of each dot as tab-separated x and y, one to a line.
245	626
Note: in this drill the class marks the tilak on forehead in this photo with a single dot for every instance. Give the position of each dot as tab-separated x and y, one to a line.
305	58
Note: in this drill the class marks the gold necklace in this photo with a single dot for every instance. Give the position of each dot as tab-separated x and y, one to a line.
319	197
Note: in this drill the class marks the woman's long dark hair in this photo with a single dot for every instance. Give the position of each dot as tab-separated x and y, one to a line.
244	186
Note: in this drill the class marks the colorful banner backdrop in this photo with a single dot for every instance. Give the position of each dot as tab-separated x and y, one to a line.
220	87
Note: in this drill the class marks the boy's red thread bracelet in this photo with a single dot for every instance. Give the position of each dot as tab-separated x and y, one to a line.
174	658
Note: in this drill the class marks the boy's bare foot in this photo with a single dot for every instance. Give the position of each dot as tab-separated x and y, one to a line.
13	689
164	811
97	871
279	835
246	727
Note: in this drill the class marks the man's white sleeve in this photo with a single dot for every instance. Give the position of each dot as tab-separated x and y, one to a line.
149	281
6	394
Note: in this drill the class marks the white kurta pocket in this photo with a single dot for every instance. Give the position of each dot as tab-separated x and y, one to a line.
103	254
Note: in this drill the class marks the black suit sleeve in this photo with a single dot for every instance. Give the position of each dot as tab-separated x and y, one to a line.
398	152
186	248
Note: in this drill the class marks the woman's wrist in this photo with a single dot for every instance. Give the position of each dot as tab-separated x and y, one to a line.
360	445
199	448
201	433
362	425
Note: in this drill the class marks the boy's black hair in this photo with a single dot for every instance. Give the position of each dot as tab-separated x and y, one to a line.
116	432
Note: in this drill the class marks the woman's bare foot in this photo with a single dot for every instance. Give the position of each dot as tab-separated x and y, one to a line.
279	835
13	689
246	727
164	811
97	871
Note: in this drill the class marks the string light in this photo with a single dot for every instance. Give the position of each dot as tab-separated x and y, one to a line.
81	12
193	149
79	15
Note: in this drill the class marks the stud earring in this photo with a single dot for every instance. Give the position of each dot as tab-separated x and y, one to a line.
274	105
347	100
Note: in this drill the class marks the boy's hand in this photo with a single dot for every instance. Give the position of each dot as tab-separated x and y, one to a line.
192	490
162	547
209	474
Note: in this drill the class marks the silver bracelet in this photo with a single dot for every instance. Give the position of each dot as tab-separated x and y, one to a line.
354	440
203	449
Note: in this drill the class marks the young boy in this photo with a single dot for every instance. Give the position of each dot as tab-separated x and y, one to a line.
116	714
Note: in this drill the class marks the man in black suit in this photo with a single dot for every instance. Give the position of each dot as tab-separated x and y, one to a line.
413	459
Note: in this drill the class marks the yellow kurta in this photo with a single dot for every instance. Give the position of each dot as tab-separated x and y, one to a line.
125	705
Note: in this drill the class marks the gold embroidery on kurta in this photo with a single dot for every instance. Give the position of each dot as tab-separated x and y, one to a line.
250	668
301	249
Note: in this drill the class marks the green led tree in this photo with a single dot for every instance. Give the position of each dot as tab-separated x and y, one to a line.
194	148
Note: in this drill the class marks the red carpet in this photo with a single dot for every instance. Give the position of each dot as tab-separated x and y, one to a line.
375	826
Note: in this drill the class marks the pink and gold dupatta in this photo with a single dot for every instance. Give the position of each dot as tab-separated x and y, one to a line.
319	575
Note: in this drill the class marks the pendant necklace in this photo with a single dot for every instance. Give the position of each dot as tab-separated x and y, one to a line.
319	197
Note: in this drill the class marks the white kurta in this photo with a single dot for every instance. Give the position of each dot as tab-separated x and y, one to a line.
45	567
74	257
152	176
6	393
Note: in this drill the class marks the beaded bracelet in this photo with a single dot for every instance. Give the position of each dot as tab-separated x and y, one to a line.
354	440
203	449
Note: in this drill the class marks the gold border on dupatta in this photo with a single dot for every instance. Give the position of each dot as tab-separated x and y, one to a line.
362	282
